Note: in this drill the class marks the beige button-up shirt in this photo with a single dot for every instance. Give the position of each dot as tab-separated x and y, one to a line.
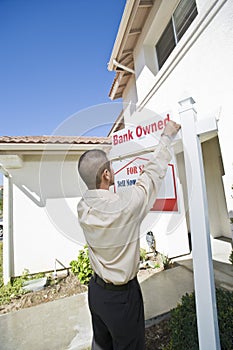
111	221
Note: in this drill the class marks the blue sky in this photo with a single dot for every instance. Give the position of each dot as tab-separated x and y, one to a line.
53	66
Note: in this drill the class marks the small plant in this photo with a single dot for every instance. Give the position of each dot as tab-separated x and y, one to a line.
12	290
1	262
143	255
166	261
25	275
183	322
1	206
82	267
231	257
157	266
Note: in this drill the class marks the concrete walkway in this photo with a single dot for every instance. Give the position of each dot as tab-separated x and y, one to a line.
65	324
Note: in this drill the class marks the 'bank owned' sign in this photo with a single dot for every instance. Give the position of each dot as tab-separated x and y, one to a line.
138	139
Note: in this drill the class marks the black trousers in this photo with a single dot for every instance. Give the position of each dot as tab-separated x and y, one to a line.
117	317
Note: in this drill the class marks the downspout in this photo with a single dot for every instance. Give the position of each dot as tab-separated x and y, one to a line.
123	67
8	224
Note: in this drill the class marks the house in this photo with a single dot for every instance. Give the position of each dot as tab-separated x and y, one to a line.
41	192
165	52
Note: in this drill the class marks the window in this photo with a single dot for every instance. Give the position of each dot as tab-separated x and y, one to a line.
181	19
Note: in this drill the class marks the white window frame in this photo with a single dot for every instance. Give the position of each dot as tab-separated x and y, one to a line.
172	19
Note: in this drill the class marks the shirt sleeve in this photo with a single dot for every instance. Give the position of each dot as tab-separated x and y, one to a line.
149	182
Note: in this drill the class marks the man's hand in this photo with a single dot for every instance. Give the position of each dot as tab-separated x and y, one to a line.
171	129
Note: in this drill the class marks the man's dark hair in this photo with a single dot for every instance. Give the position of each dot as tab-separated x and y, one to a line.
91	166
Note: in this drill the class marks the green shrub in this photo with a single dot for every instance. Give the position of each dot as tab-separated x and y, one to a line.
143	254
1	262
82	267
14	289
1	206
183	323
11	290
166	261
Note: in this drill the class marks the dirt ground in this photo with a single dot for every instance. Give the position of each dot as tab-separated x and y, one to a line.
157	336
63	287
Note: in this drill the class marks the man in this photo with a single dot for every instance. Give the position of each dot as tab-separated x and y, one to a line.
111	224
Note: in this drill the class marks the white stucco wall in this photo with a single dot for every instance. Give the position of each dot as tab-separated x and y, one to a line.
45	224
200	66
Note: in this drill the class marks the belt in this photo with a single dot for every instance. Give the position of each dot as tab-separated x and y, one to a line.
111	286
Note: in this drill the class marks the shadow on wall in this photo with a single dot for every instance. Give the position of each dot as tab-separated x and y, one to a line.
49	184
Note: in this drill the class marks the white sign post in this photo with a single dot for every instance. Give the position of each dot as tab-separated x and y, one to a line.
205	297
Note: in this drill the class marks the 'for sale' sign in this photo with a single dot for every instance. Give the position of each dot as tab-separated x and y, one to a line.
127	172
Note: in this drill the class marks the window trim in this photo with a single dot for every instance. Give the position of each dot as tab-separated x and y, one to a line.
175	35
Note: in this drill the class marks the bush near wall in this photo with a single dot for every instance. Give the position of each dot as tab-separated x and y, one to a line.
82	267
1	207
1	262
183	322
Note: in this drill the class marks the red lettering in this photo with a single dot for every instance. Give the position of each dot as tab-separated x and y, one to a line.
130	135
166	120
115	140
146	129
141	167
153	127
120	139
132	170
139	131
160	124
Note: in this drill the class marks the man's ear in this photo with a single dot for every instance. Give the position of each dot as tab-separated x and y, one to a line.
106	175
105	180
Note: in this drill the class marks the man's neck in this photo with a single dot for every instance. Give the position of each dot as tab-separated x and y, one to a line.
104	186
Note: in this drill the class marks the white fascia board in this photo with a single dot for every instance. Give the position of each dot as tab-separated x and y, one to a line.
121	31
31	148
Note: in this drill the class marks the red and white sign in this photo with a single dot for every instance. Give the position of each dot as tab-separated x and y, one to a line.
139	138
127	171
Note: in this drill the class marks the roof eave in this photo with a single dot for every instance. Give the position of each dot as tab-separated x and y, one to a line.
18	144
50	147
121	32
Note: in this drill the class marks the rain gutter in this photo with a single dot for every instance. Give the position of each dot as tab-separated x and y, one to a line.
122	28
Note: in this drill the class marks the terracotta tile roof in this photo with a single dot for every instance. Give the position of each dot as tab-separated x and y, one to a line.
55	139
